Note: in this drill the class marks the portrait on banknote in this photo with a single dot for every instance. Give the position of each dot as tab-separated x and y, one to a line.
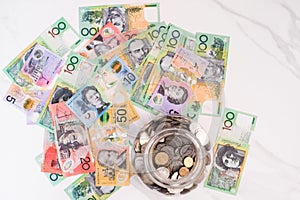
70	138
61	94
112	164
110	158
227	167
213	72
217	48
170	96
88	104
228	157
117	16
137	50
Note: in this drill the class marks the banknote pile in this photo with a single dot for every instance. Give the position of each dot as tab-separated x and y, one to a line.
84	89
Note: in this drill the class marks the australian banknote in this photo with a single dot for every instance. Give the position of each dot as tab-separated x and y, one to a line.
72	142
53	178
135	50
76	73
124	16
60	92
107	38
112	164
59	38
50	163
146	69
41	66
170	42
84	189
89	103
231	150
215	49
19	98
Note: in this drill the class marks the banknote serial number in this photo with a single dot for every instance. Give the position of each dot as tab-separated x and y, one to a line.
227	124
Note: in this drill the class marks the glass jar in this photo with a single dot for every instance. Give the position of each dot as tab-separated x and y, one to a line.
168	155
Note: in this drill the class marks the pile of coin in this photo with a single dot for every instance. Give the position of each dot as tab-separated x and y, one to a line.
168	156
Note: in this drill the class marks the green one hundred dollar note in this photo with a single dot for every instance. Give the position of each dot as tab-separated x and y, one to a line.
175	38
230	151
84	189
59	38
147	67
125	17
53	178
215	49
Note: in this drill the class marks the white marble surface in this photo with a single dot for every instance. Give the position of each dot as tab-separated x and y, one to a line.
263	78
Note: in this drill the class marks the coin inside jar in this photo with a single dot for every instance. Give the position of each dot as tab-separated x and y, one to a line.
161	159
163	172
168	155
183	171
188	162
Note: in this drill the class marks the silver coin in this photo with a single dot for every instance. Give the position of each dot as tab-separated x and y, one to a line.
169	150
144	138
139	164
174	141
186	141
159	146
163	172
187	150
137	146
176	165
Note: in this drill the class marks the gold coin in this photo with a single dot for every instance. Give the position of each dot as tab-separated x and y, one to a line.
183	171
161	158
188	162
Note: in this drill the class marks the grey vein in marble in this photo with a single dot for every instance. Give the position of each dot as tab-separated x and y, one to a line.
284	46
